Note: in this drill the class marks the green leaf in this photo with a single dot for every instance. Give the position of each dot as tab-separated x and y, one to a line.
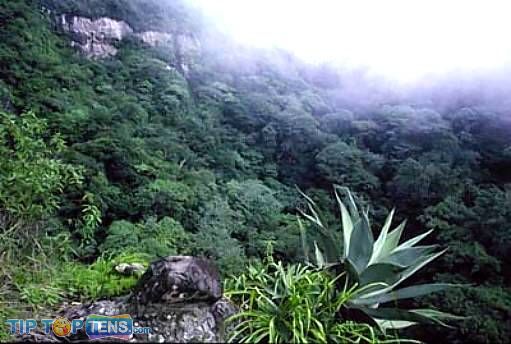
405	293
408	256
384	273
361	245
352	205
320	260
424	316
409	272
419	265
394	324
414	240
347	225
303	239
392	240
437	315
382	238
312	207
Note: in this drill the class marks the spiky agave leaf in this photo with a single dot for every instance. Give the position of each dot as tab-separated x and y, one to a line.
347	224
329	238
378	267
404	293
361	245
392	240
303	239
419	316
382	238
423	261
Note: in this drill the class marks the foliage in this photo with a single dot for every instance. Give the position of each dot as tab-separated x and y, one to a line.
206	160
91	219
292	304
214	238
42	288
347	165
31	177
376	267
5	313
154	238
100	279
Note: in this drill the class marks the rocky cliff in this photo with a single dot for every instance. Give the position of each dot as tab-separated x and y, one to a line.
99	38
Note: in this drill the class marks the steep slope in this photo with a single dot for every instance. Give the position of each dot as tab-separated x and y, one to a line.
193	144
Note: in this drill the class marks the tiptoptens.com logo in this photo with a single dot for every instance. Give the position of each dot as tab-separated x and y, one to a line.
96	326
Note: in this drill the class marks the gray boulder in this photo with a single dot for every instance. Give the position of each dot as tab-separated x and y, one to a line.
180	298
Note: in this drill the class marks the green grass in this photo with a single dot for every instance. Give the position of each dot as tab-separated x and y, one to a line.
43	287
6	312
100	279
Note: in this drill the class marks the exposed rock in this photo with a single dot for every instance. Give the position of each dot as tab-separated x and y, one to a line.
186	322
188	50
130	269
155	39
95	38
98	39
179	279
180	298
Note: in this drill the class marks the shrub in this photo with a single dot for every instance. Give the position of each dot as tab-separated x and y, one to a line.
152	237
293	304
31	177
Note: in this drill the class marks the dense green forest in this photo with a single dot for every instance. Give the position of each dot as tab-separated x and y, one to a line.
131	158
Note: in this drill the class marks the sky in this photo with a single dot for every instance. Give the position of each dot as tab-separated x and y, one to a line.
403	40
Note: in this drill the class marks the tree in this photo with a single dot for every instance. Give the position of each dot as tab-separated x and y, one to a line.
476	225
347	165
214	237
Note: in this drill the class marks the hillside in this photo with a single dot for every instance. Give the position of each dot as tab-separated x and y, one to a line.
158	136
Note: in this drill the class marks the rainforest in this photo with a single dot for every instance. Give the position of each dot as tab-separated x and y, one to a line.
132	130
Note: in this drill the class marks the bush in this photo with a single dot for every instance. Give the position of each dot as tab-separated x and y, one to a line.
31	177
155	238
293	304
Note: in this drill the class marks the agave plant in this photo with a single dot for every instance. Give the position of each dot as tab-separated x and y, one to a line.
377	267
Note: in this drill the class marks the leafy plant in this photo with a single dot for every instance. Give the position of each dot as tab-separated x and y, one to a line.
376	268
31	177
49	285
6	312
91	219
39	295
154	238
293	304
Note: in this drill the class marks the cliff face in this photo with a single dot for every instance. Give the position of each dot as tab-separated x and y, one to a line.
99	38
95	38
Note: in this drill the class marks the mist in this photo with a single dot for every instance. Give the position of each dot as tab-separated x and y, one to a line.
400	39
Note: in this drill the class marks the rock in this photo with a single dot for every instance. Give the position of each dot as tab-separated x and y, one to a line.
157	302
95	38
98	38
188	52
155	39
186	322
130	269
179	279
